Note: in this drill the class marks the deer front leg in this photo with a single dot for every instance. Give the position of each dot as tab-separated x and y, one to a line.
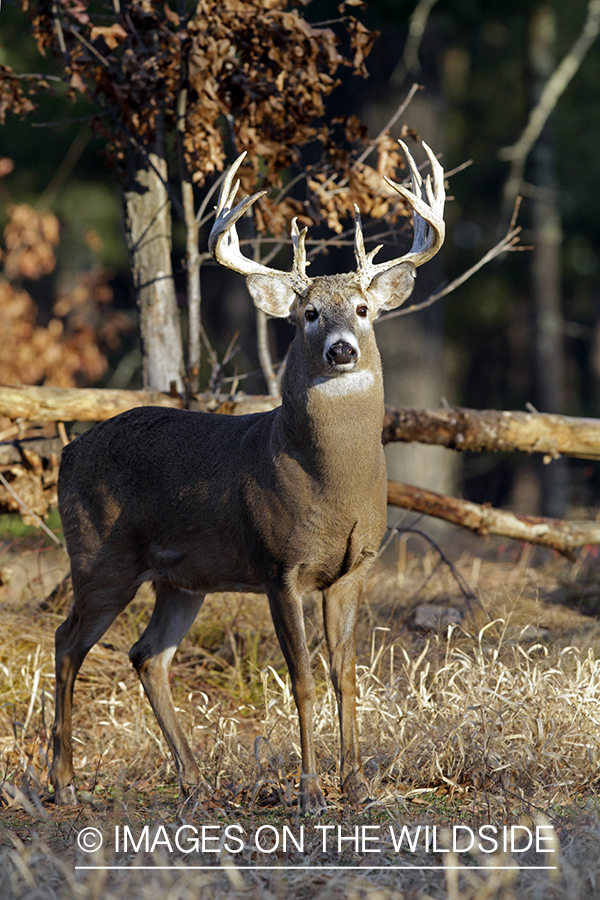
288	619
340	608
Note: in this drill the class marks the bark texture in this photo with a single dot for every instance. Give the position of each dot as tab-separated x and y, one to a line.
455	427
148	226
556	533
48	404
497	430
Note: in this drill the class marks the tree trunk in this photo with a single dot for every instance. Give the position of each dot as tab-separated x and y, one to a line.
148	225
546	264
412	349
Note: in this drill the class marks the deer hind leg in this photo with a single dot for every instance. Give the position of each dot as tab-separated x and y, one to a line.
340	609
288	619
172	618
97	601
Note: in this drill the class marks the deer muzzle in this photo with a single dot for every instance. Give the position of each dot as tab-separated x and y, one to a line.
341	353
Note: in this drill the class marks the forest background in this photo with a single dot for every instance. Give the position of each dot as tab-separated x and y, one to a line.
524	330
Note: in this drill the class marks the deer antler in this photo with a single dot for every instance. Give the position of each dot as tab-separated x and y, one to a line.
427	202
426	199
224	244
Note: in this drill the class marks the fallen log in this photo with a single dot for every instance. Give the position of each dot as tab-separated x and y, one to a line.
489	429
29	477
16	452
50	404
455	427
559	534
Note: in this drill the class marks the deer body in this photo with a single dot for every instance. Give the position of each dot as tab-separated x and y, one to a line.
287	502
298	472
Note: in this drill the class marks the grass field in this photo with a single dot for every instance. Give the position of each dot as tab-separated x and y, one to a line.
490	724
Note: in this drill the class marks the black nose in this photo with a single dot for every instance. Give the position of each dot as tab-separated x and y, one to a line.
341	352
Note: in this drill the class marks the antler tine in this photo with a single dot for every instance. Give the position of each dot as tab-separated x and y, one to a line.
364	260
300	262
227	183
224	243
359	241
427	201
438	177
415	176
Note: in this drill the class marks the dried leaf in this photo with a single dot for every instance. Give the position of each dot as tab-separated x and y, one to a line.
77	82
72	348
112	35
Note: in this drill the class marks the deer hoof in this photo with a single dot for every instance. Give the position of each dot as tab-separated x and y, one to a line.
312	801
356	790
197	790
66	796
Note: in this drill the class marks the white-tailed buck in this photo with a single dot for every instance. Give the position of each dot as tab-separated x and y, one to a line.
285	502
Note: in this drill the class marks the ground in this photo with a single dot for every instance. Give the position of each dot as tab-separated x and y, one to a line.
492	721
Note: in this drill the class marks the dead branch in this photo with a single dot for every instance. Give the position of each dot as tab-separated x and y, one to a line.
14	453
27	513
556	533
455	427
508	243
476	430
551	94
460	581
49	404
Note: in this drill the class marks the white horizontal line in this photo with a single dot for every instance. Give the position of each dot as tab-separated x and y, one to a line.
242	868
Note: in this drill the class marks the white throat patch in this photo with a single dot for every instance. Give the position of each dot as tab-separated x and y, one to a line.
345	383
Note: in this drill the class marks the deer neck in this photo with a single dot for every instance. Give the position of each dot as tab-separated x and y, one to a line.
333	425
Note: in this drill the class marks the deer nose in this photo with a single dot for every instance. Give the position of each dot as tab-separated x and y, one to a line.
341	353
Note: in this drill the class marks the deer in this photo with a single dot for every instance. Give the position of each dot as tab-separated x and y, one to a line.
286	502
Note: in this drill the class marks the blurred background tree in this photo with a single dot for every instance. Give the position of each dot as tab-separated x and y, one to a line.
490	344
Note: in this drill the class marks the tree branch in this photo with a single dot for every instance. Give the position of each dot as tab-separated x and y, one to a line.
508	243
455	427
494	430
50	404
555	87
389	124
483	520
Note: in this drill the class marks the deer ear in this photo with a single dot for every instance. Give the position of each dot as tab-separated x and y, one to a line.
272	295
394	286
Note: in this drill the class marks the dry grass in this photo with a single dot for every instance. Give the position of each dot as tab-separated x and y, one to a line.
494	722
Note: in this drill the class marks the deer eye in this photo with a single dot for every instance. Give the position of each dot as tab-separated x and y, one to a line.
311	314
362	311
